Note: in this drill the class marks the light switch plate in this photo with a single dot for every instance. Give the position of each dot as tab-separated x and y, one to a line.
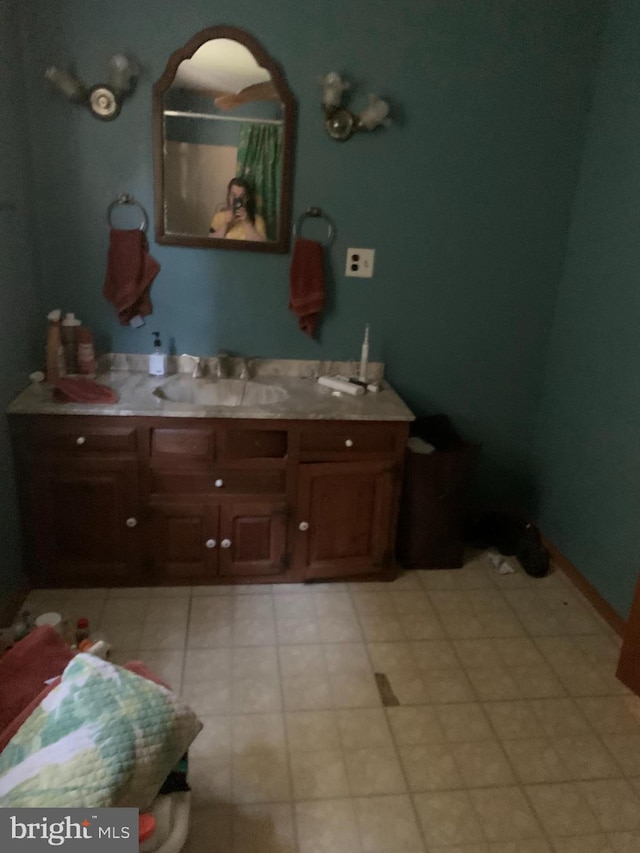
360	262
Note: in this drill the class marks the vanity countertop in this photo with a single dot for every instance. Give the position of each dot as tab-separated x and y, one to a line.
305	398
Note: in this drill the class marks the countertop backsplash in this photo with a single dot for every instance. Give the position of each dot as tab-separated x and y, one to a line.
302	368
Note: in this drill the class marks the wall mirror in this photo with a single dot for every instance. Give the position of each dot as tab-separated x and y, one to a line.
223	112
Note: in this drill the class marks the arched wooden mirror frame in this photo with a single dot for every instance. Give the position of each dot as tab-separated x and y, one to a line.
281	244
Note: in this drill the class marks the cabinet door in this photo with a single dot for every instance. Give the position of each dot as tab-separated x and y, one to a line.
344	518
85	522
253	538
183	541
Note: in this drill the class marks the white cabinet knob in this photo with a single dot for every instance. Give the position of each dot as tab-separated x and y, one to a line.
219	484
226	543
348	443
132	522
210	543
80	439
304	525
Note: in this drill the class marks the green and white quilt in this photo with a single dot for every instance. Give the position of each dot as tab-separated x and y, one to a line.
103	737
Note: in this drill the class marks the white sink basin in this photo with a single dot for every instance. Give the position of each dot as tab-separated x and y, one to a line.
220	392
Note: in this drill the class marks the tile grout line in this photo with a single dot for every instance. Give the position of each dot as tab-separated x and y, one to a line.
186	641
334	712
521	785
294	816
479	702
409	793
593	731
546	835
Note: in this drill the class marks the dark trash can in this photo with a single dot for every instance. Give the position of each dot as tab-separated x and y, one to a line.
433	497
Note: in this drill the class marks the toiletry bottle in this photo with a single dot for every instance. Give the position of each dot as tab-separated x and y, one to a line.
82	630
55	352
68	332
86	352
157	359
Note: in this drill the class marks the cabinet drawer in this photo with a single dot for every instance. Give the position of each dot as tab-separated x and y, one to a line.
242	443
183	445
219	481
84	439
346	441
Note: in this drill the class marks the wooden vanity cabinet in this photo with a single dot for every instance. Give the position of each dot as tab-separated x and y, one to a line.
346	512
218	502
348	483
181	542
79	487
149	501
196	540
253	538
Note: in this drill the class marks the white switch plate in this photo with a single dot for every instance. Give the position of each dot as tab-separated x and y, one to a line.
360	262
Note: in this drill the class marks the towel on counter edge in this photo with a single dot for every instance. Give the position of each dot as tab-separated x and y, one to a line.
306	284
130	273
81	389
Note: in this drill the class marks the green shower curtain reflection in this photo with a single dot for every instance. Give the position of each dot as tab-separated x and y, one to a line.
260	162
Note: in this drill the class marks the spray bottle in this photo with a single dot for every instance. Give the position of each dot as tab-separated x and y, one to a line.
158	358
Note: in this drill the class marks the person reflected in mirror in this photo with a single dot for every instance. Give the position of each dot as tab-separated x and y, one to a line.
238	220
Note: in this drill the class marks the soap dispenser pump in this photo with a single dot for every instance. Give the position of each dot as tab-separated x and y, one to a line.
157	359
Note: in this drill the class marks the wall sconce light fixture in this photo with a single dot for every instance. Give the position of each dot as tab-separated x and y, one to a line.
104	100
340	123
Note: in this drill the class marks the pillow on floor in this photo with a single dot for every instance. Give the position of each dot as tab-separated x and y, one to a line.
103	737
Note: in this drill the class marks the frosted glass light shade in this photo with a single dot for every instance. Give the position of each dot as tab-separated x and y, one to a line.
67	83
121	73
332	88
375	113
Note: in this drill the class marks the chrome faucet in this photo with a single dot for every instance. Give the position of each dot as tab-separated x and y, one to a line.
245	372
221	368
198	370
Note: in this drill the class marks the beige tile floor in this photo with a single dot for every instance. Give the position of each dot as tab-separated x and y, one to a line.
512	734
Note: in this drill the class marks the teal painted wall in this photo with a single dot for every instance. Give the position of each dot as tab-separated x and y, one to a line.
466	198
19	308
587	443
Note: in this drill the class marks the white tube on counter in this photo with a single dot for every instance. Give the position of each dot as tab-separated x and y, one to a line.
342	385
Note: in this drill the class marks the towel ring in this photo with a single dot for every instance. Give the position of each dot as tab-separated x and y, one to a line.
315	213
127	199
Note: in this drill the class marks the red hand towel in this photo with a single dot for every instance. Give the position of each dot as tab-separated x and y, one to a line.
41	655
130	274
79	389
306	280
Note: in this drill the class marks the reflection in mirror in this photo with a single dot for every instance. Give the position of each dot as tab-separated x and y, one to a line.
223	119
